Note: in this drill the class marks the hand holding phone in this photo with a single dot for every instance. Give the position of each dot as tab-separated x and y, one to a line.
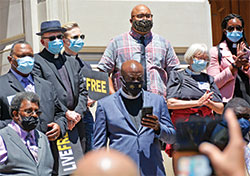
146	111
148	119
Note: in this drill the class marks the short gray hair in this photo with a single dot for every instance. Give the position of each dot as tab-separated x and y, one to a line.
20	97
195	48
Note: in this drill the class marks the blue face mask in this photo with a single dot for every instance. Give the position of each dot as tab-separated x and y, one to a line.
76	45
55	46
25	64
234	36
198	65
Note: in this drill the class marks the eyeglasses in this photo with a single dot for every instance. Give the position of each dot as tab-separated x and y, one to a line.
232	28
143	15
78	36
51	38
30	112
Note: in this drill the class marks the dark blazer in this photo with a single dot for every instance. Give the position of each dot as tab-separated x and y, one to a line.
114	122
45	68
49	104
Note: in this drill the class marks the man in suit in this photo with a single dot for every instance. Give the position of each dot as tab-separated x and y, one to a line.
73	43
23	149
64	73
118	117
52	121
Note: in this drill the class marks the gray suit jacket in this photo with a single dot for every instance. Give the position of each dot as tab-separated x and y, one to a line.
20	161
49	104
45	68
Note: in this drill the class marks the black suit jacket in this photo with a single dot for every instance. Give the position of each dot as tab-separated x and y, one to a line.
49	103
45	68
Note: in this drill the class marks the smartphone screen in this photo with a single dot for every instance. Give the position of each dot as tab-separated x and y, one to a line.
196	165
146	111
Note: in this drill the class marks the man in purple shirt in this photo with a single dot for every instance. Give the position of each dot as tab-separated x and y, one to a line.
23	149
154	53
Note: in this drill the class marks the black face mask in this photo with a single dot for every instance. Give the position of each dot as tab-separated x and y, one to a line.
142	25
29	123
133	88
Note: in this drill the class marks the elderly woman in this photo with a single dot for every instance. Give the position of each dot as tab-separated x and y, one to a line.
191	91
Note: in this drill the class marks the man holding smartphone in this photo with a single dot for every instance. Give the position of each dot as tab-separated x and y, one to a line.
134	120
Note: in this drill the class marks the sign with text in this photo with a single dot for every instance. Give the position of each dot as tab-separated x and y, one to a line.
70	152
97	84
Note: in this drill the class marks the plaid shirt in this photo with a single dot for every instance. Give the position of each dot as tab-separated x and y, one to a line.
159	54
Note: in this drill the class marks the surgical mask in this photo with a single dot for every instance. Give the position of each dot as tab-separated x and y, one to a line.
29	123
25	64
55	46
198	65
234	36
142	25
133	88
76	45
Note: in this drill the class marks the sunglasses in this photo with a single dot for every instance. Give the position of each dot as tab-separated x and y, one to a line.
143	15
51	38
232	28
78	36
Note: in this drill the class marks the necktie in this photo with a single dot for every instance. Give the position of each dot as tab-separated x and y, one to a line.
30	143
143	61
142	38
28	87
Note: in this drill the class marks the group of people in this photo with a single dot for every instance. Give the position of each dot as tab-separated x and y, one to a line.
56	83
144	73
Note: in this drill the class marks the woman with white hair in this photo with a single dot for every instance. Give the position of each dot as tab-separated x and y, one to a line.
191	92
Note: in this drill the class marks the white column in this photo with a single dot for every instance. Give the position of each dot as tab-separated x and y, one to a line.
31	25
57	10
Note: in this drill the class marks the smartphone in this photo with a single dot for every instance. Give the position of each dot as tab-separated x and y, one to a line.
194	164
146	111
189	136
49	128
247	55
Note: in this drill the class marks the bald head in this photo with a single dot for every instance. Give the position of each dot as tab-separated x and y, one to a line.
140	9
106	163
131	67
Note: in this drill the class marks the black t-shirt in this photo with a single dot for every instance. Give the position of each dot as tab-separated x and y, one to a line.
134	107
187	86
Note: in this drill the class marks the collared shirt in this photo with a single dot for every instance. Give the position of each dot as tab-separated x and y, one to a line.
27	87
22	134
159	54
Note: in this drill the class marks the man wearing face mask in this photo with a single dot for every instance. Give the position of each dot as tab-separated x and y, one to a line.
19	79
64	73
73	43
23	149
119	118
154	53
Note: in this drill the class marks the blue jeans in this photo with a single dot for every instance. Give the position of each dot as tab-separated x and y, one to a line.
89	123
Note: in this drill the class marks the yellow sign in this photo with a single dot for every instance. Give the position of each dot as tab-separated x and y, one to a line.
96	85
